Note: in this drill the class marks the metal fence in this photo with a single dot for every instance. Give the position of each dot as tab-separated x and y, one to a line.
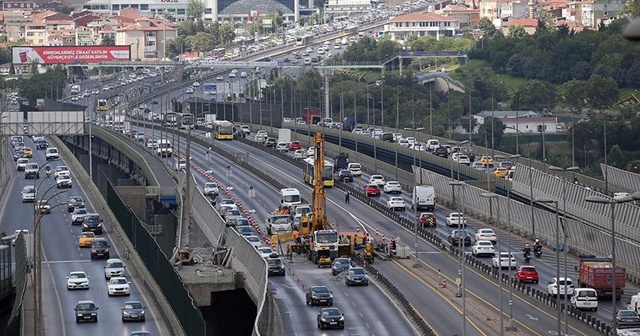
582	237
621	180
162	270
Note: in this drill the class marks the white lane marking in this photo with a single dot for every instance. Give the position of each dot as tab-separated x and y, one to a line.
65	262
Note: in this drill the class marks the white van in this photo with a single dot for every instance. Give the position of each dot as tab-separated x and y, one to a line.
634	304
52	153
290	197
585	298
355	169
164	148
432	144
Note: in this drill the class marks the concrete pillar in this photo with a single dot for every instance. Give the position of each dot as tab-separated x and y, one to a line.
214	11
296	11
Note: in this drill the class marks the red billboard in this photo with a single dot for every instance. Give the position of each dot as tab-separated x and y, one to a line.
70	54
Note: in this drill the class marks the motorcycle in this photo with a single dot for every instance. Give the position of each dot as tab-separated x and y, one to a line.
537	251
527	258
48	173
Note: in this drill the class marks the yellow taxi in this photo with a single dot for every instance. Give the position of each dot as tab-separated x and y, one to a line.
28	152
86	238
501	172
486	161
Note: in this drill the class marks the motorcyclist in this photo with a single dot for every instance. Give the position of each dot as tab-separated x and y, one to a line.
48	170
526	250
537	247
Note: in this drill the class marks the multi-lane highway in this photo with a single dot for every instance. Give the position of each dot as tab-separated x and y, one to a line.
362	317
62	255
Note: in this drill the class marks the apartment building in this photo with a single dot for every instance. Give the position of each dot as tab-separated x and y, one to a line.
147	37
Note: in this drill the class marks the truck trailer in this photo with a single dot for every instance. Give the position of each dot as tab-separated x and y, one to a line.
598	273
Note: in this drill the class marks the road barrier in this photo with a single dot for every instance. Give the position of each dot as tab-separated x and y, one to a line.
620	179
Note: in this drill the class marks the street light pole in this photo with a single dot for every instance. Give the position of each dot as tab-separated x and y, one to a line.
612	204
491	196
564	231
558	307
415	208
462	286
510	326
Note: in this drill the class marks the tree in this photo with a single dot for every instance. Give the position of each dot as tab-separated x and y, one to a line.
536	96
202	42
49	84
108	40
601	92
486	26
226	34
195	9
485	132
517	31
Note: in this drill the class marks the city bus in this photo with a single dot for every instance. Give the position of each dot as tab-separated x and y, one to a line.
170	119
185	120
102	105
223	130
308	173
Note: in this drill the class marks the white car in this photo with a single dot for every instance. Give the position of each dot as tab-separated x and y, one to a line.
377	179
462	159
63	181
299	154
505	260
196	84
486	234
246	129
483	248
114	268
282	147
392	187
566	286
310	151
77	216
152	144
210	189
456	219
77	280
419	147
61	170
254	240
28	194
180	165
21	164
118	286
396	203
227	204
219	78
265	251
190	90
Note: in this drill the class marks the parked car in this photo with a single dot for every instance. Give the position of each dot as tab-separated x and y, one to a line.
483	248
527	273
372	190
427	219
456	235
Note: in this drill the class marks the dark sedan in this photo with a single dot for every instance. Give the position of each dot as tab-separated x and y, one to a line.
345	175
339	265
317	295
460	234
330	318
627	318
356	276
244	230
133	311
75	202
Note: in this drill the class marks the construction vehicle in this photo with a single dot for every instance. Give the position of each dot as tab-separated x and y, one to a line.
355	244
322	241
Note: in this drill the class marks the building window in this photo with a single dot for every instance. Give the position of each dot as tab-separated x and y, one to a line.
150	34
182	11
115	7
144	7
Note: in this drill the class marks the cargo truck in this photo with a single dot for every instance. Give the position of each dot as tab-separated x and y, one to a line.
284	135
597	273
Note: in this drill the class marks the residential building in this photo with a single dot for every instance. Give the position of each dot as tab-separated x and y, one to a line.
530	25
15	24
421	24
84	36
35	34
547	125
468	17
147	37
18	5
105	28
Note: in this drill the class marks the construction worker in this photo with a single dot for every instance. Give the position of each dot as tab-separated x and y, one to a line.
296	237
346	196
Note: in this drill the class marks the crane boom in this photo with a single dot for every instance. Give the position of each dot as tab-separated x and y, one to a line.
319	219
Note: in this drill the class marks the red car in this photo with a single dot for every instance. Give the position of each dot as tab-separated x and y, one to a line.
427	219
527	274
293	145
372	190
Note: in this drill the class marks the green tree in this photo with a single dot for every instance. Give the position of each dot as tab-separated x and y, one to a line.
601	92
226	34
108	40
632	8
484	131
536	96
486	26
49	84
517	31
202	42
195	9
633	166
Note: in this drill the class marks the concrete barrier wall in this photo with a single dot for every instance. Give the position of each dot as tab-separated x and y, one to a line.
206	217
